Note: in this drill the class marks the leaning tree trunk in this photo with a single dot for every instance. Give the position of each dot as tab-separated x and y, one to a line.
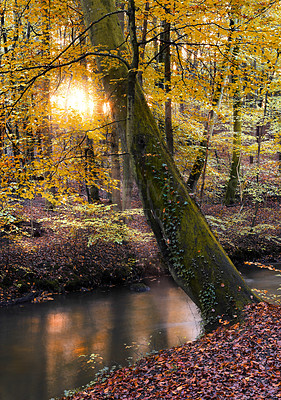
195	259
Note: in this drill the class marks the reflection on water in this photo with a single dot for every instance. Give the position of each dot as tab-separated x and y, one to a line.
45	348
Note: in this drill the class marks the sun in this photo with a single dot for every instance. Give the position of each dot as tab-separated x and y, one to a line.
75	99
78	101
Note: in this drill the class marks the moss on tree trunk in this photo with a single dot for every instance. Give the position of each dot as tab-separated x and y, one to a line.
196	260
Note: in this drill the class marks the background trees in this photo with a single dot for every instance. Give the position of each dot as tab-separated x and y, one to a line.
49	145
191	60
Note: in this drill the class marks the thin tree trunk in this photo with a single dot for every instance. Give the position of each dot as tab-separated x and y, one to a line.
92	190
195	259
260	133
131	81
45	127
165	83
127	179
143	41
197	166
167	72
234	177
115	169
127	176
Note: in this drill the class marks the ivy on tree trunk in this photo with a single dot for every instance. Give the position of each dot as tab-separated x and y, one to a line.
195	259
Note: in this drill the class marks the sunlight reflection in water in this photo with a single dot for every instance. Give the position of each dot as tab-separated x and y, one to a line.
46	348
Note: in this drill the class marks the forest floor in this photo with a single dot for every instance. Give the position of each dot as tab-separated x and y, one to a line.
240	362
46	252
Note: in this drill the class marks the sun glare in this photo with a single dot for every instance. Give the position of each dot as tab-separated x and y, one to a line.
106	108
75	100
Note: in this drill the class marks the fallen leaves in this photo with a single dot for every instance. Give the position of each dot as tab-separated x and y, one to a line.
61	260
242	361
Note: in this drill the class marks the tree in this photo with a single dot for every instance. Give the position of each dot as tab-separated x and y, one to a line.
237	126
236	152
195	259
165	58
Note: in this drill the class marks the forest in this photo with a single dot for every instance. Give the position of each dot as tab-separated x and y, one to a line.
141	139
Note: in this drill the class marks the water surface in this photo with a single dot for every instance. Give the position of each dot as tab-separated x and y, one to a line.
45	348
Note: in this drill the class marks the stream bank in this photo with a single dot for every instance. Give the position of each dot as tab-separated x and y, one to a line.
240	362
50	253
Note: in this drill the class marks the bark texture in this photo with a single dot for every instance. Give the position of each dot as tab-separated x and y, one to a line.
196	260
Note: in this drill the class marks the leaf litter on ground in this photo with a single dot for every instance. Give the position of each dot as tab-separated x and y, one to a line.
240	362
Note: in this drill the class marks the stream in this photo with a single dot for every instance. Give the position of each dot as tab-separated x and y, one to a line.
49	347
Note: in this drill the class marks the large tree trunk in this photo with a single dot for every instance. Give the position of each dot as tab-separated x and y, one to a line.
196	260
